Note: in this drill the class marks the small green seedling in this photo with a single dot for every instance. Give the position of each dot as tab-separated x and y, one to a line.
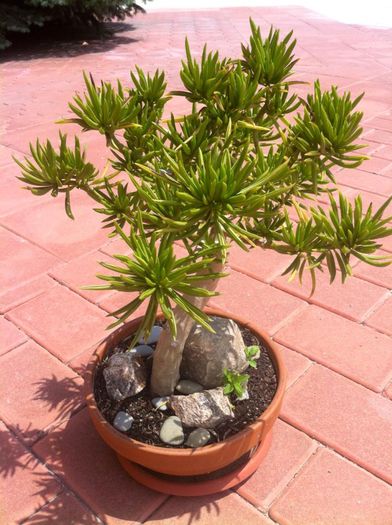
252	354
235	383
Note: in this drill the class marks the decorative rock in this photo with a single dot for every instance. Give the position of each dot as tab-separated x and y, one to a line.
172	432
160	403
206	355
153	337
198	438
142	351
125	375
185	386
205	409
123	421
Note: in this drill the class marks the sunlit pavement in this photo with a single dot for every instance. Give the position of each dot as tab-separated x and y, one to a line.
331	458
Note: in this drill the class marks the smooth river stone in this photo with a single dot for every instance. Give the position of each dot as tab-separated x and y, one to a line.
153	337
172	432
185	386
160	403
123	421
142	351
198	438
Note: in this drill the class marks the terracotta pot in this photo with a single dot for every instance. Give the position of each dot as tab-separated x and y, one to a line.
189	462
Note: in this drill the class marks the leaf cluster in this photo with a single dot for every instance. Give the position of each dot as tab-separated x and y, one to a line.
228	171
234	382
57	172
252	354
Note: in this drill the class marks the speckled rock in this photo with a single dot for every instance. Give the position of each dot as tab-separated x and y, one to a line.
205	409
206	355
125	375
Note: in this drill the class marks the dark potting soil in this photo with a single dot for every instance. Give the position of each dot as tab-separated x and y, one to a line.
262	385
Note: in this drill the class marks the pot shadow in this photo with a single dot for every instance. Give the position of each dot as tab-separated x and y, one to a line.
84	467
52	43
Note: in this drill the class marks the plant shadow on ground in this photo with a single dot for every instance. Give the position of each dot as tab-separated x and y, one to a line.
57	43
73	450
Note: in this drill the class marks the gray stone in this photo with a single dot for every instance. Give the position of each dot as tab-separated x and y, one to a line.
125	375
186	386
205	409
160	403
198	438
123	421
153	337
206	355
142	351
172	432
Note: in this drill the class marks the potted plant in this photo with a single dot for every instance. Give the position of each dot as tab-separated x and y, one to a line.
179	192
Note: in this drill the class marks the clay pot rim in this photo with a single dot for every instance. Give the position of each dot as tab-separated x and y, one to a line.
106	344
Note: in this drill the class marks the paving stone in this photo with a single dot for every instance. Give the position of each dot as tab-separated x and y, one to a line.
333	490
353	299
388	391
113	495
295	363
256	301
365	181
347	417
10	336
62	322
64	238
225	509
82	271
381	276
353	350
381	318
20	260
290	450
36	390
376	164
381	136
263	265
13	196
25	484
65	509
23	293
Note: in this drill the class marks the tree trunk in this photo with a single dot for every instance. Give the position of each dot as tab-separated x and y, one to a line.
168	353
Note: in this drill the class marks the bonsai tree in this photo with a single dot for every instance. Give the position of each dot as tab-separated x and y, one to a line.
227	172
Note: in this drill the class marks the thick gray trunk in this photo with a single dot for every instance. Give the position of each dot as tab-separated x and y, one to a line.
168	353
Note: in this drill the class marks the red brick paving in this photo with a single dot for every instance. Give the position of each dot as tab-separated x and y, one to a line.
36	391
340	389
82	323
65	509
25	483
333	491
381	318
290	450
353	350
10	336
347	417
76	453
229	509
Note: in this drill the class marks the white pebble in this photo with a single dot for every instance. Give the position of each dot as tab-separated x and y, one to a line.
123	421
153	337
